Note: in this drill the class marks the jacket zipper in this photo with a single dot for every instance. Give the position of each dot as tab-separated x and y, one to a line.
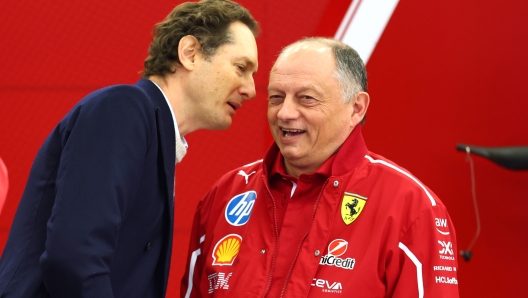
302	241
276	238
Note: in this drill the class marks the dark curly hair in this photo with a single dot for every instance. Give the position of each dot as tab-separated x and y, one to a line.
207	20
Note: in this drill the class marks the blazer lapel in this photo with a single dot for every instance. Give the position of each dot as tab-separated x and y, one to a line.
167	146
166	136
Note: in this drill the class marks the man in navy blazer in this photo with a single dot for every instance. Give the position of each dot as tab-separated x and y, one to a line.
96	217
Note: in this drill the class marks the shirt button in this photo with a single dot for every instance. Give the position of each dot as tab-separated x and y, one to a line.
263	251
336	183
147	248
317	252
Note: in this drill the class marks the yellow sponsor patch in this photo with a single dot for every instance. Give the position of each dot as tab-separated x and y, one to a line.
226	250
351	207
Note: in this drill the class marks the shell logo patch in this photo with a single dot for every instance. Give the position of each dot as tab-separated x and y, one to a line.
226	250
351	207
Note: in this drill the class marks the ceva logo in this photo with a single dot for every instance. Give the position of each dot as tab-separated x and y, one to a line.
239	208
326	286
226	250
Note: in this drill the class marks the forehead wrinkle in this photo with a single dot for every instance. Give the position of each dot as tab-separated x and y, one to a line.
277	86
310	87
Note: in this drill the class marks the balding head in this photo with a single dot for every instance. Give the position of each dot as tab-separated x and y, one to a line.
349	67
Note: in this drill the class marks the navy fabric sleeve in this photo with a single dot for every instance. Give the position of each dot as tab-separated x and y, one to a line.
105	139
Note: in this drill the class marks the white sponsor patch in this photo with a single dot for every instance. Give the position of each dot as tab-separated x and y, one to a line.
447	247
218	281
330	260
441	224
327	286
444	268
446	280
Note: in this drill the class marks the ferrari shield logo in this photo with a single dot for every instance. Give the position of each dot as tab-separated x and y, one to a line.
351	207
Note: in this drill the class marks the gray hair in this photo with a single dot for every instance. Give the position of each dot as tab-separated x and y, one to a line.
350	70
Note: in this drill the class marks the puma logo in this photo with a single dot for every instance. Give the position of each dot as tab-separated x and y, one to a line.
246	176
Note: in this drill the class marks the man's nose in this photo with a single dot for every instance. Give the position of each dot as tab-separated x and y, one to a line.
247	90
288	109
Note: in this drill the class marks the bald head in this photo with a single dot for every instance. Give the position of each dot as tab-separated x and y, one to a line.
315	45
349	68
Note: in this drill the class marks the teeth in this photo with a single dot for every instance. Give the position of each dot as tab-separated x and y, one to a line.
288	131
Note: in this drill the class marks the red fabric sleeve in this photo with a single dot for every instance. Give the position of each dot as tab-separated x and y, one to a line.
426	263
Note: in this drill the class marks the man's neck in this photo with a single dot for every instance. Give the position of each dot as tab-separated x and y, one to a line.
172	90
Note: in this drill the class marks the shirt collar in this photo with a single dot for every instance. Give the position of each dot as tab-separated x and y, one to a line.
344	160
278	168
173	117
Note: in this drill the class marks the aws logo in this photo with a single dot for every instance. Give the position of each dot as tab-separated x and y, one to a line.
226	250
442	224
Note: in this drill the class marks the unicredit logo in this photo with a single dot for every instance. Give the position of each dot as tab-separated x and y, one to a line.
335	249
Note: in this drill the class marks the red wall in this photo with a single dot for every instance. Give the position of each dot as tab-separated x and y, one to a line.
442	73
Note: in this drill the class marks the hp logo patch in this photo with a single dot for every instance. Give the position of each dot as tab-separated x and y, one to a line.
239	208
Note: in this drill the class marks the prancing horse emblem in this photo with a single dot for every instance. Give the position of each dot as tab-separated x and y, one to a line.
351	207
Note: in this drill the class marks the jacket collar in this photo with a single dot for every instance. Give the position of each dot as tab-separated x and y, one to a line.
348	156
167	142
166	122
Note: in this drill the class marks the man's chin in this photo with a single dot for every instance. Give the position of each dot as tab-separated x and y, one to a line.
290	154
222	125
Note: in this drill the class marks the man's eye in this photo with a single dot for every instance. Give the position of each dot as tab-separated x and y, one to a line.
275	99
307	98
241	67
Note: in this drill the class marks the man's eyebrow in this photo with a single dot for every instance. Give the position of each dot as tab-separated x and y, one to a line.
310	87
304	88
274	89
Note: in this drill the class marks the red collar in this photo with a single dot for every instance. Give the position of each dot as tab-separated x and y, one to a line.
278	168
344	160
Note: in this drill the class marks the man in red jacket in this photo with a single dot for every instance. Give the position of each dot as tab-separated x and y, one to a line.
320	215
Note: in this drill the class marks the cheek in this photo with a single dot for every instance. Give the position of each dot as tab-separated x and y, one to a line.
335	127
272	114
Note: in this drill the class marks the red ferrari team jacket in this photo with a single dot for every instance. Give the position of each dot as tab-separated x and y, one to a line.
373	231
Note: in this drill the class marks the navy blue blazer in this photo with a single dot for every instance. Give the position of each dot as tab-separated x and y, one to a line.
96	216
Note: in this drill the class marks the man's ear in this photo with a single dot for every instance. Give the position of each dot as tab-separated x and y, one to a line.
188	50
360	106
